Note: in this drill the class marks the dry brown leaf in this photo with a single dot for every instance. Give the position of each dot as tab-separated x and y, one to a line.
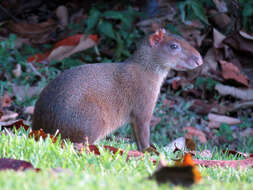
244	94
201	107
191	34
17	165
217	38
210	62
232	72
5	101
16	123
8	115
239	43
192	132
221	20
35	32
223	119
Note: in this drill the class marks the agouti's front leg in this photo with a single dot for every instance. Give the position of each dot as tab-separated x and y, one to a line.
141	132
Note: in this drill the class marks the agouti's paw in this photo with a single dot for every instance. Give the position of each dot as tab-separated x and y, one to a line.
151	149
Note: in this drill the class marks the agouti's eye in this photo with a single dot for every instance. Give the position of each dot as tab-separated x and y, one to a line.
174	46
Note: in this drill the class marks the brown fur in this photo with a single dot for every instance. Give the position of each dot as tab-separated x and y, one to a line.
91	101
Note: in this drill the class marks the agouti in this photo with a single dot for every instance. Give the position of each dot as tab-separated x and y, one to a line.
90	101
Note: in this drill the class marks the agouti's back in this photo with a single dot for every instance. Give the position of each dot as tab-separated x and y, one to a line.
90	101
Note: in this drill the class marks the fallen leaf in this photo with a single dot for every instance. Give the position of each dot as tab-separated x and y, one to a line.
17	165
201	107
216	120
192	132
5	101
64	51
217	38
11	124
220	20
36	32
211	64
36	134
66	47
244	94
246	35
232	72
8	115
240	43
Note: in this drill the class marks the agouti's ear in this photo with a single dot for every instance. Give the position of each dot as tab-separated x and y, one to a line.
157	37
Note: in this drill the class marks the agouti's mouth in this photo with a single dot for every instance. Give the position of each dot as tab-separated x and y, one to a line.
199	62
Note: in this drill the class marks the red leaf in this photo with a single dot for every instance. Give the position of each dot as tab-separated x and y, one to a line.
38	57
40	133
70	41
132	153
17	124
17	165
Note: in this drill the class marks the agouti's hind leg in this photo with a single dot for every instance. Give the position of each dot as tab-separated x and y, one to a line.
87	129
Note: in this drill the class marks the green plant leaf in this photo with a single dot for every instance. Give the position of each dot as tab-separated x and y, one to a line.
106	29
247	11
113	15
93	19
181	7
199	11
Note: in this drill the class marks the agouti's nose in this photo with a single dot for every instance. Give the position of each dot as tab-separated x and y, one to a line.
198	60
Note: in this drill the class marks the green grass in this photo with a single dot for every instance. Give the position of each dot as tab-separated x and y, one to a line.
87	171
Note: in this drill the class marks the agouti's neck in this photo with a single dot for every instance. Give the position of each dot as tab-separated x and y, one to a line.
143	56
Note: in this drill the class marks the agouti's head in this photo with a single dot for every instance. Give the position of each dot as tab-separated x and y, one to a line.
172	52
